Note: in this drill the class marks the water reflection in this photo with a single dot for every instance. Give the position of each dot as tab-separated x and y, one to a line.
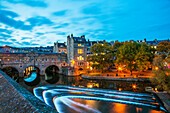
105	84
52	74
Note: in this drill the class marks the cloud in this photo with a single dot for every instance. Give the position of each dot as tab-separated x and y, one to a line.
7	17
13	40
23	38
29	44
60	13
40	33
6	31
61	25
92	9
32	3
6	43
61	33
5	36
39	20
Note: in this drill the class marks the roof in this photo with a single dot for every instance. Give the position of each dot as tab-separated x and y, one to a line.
62	45
156	41
79	39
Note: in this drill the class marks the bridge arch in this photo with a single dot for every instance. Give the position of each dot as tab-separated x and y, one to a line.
12	71
31	75
52	74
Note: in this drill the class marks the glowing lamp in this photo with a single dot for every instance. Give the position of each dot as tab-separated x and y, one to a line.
156	68
90	85
134	86
119	68
72	62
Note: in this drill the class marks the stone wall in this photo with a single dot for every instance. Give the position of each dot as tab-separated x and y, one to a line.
16	99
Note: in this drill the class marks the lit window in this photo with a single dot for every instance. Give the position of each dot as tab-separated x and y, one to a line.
80	58
80	51
79	44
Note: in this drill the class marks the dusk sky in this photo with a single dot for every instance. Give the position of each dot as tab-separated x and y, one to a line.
43	22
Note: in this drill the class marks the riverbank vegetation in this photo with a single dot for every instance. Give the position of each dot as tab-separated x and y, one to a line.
131	56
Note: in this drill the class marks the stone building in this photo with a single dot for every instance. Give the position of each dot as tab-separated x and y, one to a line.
76	52
59	47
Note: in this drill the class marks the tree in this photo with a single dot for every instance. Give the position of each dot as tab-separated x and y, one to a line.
116	45
163	46
133	56
102	56
162	73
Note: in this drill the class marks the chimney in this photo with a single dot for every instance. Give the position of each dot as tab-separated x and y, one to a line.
68	36
71	35
155	40
83	36
145	39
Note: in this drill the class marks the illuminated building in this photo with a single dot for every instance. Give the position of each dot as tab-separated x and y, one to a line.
77	52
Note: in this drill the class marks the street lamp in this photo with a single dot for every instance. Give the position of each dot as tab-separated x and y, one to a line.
134	86
156	68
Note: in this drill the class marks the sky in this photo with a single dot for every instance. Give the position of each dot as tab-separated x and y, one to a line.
42	22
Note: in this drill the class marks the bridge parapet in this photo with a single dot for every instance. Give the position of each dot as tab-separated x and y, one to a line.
21	61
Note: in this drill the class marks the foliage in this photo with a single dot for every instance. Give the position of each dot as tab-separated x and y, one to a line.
162	74
134	56
102	56
163	46
116	45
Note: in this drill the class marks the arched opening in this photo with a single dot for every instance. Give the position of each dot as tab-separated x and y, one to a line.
12	72
80	69
52	74
32	76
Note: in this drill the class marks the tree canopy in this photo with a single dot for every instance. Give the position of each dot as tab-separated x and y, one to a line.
134	56
102	56
163	46
162	73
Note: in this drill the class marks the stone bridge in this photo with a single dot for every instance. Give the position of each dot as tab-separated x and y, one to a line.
21	61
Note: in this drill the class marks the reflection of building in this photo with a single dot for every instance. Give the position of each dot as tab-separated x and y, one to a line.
76	52
60	47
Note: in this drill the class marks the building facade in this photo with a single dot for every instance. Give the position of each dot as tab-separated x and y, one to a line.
77	52
60	47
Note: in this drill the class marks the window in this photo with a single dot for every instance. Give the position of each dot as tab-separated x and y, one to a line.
80	51
80	58
79	44
80	63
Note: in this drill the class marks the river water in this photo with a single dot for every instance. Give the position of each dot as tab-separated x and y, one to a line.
63	103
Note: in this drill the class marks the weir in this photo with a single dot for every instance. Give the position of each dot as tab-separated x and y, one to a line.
54	94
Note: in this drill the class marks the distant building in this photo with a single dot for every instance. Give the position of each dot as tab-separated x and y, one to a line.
77	52
8	49
60	47
153	43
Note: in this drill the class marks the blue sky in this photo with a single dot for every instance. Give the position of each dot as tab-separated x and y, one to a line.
43	22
